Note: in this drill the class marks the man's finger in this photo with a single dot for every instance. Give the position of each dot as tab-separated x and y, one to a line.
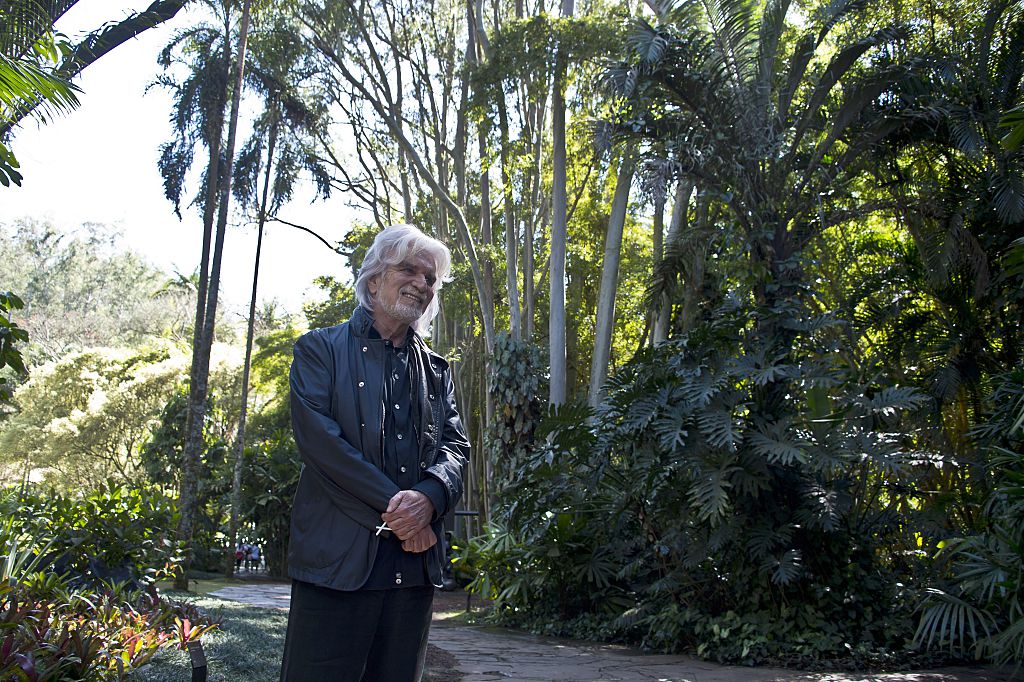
395	501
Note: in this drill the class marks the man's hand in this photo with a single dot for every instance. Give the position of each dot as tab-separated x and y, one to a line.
408	512
421	542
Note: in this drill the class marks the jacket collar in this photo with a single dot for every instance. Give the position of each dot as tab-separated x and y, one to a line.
361	324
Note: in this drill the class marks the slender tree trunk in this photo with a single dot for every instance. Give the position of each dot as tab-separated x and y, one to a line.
659	255
694	282
610	278
559	228
201	374
511	239
533	222
236	480
680	217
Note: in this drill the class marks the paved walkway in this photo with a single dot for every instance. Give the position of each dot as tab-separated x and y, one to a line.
488	654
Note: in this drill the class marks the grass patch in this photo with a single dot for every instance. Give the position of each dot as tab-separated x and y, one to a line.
249	643
246	648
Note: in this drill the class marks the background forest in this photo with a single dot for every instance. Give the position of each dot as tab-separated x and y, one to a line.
735	320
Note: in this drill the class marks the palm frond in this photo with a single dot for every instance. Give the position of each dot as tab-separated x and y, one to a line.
28	87
1008	195
948	621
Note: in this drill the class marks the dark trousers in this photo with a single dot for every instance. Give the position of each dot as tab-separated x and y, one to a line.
360	636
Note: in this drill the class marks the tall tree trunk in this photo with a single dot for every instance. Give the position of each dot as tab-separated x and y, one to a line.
678	222
659	255
559	228
533	222
610	277
236	480
511	239
693	284
189	502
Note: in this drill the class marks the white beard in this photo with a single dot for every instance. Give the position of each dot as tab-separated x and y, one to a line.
401	312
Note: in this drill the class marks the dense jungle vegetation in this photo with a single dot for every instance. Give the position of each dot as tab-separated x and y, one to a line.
736	316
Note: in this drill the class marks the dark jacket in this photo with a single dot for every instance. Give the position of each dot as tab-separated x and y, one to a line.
337	385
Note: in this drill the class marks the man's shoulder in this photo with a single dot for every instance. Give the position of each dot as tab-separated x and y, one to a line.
323	333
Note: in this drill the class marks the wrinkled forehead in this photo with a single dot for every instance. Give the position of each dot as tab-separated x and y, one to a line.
422	260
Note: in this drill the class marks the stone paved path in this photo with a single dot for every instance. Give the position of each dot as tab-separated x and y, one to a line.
488	654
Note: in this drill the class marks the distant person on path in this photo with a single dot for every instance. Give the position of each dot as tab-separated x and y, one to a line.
239	556
254	556
382	445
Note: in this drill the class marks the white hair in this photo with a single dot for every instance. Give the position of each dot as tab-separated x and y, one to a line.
393	245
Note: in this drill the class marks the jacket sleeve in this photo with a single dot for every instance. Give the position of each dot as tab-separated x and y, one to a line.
349	479
451	456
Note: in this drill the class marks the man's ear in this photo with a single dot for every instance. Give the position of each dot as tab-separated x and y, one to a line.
373	284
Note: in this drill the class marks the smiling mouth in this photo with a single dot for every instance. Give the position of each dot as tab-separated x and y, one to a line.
412	297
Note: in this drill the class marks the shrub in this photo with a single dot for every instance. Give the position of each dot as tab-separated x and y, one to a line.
61	627
111	534
726	498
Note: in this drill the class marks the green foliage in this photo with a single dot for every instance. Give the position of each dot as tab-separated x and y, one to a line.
82	290
112	533
727	498
336	308
29	86
10	335
86	418
70	603
979	609
516	388
271	478
524	50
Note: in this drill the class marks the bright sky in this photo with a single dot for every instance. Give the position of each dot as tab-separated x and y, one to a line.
98	164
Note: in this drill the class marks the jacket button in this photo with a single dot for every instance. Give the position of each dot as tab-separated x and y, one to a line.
361	384
423	465
400	436
364	349
402	469
431	397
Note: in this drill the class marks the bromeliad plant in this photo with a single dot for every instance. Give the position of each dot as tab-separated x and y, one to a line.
80	626
52	631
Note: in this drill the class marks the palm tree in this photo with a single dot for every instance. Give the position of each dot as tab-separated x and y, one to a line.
25	35
774	123
283	142
199	117
761	121
29	85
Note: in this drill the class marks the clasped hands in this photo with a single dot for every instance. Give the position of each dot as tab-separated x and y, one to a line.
408	516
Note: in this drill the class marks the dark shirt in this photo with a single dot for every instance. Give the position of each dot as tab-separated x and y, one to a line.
394	567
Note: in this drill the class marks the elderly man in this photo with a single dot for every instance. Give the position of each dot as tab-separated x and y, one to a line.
373	411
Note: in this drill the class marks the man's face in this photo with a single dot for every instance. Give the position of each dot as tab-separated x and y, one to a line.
404	291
